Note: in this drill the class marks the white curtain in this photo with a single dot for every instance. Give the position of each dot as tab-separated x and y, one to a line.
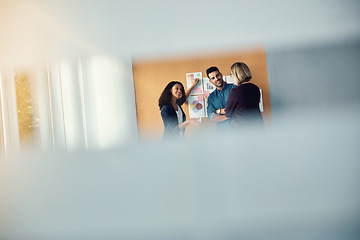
81	104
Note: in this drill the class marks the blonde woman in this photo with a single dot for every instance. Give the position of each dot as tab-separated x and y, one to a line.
242	106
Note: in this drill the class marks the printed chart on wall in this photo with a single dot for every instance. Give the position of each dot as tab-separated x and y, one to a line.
229	79
196	106
208	87
190	78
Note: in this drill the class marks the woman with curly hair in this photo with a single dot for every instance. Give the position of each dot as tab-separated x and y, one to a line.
174	118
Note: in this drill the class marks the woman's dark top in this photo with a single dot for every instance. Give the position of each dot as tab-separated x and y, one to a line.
242	106
171	124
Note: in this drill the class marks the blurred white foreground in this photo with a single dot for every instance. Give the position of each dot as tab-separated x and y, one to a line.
298	180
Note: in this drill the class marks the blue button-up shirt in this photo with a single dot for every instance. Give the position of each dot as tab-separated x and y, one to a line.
217	99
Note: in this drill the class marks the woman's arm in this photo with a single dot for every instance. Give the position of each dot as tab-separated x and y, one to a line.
188	91
183	99
192	121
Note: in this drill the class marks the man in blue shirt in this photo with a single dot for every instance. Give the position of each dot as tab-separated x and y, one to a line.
217	99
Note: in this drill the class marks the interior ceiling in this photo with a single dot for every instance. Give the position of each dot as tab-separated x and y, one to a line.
44	29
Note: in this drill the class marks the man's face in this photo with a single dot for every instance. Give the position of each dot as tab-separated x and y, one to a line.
216	78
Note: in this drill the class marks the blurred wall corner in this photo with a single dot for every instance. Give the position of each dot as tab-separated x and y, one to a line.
319	77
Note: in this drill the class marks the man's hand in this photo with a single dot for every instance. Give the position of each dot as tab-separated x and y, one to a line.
220	111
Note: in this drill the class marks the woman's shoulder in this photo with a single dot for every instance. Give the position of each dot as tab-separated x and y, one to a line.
236	88
247	85
250	84
167	108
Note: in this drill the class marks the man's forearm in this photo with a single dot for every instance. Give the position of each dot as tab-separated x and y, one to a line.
219	118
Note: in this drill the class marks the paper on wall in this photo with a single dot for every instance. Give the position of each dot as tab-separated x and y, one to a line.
208	87
190	78
261	106
229	79
196	106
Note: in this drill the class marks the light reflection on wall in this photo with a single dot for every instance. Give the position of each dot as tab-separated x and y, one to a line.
24	108
113	112
2	136
70	97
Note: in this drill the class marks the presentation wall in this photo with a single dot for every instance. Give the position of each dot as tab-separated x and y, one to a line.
152	75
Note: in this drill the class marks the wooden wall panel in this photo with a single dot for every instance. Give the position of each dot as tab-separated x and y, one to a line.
151	77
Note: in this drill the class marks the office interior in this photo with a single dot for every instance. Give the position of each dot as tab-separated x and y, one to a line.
81	158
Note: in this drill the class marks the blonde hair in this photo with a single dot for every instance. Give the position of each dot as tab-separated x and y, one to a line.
241	73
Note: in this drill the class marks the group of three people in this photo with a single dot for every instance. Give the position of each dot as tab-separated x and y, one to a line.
231	106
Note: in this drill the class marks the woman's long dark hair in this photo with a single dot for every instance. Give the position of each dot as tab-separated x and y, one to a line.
166	96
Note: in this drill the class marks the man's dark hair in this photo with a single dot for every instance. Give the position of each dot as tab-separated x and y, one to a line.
211	69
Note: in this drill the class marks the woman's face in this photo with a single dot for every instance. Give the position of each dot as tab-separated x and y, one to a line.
176	91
